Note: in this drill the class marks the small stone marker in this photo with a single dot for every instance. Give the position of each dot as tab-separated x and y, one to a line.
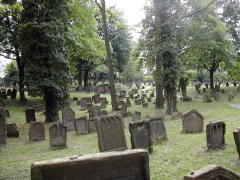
141	135
92	124
236	135
111	135
138	101
81	125
14	94
58	135
3	128
7	114
94	111
215	135
192	122
212	172
36	131
12	131
68	117
158	130
137	116
85	102
30	115
96	98
127	165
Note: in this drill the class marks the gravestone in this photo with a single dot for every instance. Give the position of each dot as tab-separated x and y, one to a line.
14	94
3	128
94	111
58	135
7	114
30	115
138	101
137	116
128	102
85	102
104	113
127	165
100	89
96	98
123	107
215	135
68	117
149	99
9	92
230	97
36	131
236	135
92	124
111	135
145	105
81	125
12	130
141	135
192	122
207	97
160	114
212	172
134	91
158	130
75	98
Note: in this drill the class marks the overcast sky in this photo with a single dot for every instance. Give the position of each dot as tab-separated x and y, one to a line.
133	14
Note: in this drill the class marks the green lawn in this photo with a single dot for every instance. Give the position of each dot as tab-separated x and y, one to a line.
174	158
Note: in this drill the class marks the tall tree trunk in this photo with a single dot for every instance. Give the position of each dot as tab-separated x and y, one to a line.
159	84
51	105
211	72
21	78
184	91
80	77
86	78
108	57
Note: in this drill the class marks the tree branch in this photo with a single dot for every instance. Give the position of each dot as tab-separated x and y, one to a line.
6	57
199	11
99	6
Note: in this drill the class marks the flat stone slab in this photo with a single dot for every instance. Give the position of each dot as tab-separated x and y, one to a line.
127	165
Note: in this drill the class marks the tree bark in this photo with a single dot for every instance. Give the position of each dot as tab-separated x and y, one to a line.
108	57
86	78
159	84
80	77
51	105
21	78
211	79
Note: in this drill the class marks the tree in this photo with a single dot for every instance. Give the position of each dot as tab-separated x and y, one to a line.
11	73
44	34
102	8
208	42
10	20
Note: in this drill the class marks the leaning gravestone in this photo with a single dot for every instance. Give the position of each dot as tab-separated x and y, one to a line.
236	135
137	116
111	135
30	115
68	116
12	130
158	130
36	131
212	172
192	122
81	125
3	128
57	135
127	165
141	135
215	135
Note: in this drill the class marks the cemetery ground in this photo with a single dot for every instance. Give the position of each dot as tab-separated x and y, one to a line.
179	155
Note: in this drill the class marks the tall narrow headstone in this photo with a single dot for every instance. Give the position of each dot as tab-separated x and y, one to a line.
215	135
137	116
3	128
58	135
158	130
141	135
127	165
111	135
36	131
68	117
236	135
30	115
81	125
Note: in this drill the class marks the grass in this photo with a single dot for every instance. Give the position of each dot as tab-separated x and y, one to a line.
174	158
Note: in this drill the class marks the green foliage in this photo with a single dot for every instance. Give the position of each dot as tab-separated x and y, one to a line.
44	35
11	73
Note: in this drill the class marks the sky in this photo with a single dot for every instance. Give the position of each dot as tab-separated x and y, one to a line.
133	14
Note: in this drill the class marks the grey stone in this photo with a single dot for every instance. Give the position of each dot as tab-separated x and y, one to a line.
137	116
81	125
158	130
192	122
36	131
68	117
58	135
236	135
94	111
12	131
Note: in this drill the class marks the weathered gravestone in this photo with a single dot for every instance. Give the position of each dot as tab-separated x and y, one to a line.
85	102
30	115
127	165
36	131
7	113
92	124
141	135
94	111
138	101
236	135
230	97
14	94
3	128
192	122
207	97
68	117
212	172
215	135
9	92
81	125
96	98
134	91
111	135
57	135
12	130
158	130
100	89
145	105
160	114
149	99
137	116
